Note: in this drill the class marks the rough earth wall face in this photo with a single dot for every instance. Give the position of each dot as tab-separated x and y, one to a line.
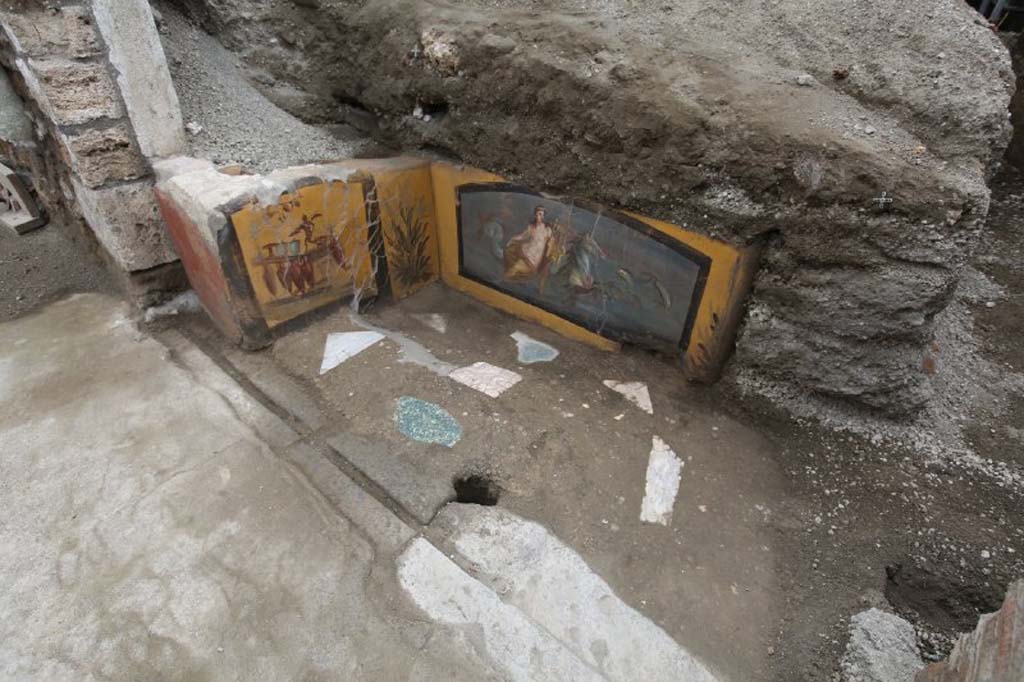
1015	152
699	119
98	165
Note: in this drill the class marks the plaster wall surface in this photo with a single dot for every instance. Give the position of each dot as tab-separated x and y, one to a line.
300	238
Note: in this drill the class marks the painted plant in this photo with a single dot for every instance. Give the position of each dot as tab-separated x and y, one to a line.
408	245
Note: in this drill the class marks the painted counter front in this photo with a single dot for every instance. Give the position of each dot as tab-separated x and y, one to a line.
600	276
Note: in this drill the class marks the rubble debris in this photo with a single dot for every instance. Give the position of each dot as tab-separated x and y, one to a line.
339	347
882	648
18	212
532	350
994	652
185	302
664	470
223	108
426	422
486	378
635	392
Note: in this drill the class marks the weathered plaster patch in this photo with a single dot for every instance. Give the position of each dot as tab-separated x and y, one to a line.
486	378
531	350
340	347
635	392
533	571
518	648
411	351
426	422
664	470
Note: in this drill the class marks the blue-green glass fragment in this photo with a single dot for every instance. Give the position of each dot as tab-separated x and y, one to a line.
426	422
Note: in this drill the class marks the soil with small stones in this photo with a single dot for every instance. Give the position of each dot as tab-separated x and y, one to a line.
229	121
42	266
931	539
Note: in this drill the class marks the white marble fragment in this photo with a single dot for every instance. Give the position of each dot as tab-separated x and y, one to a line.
435	321
540	579
340	347
486	378
664	470
635	391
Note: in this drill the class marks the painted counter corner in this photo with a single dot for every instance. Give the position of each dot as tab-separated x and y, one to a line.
304	237
594	274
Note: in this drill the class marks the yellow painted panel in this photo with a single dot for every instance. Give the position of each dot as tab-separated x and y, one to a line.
714	320
408	221
306	250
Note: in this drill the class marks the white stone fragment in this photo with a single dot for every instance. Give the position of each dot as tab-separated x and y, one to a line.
486	378
135	52
341	346
664	470
635	391
433	320
531	350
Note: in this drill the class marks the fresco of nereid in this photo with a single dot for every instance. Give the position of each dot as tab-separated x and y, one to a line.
601	270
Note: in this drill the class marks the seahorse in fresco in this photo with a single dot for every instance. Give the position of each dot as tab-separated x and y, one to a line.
648	279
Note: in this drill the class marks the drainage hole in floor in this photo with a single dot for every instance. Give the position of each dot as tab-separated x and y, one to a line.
476	490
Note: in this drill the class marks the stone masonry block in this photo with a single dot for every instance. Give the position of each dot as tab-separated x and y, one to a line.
104	155
56	31
127	223
73	92
135	51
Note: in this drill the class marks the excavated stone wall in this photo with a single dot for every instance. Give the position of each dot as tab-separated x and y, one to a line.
100	111
779	122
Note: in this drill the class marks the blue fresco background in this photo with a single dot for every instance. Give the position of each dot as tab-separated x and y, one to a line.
636	311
